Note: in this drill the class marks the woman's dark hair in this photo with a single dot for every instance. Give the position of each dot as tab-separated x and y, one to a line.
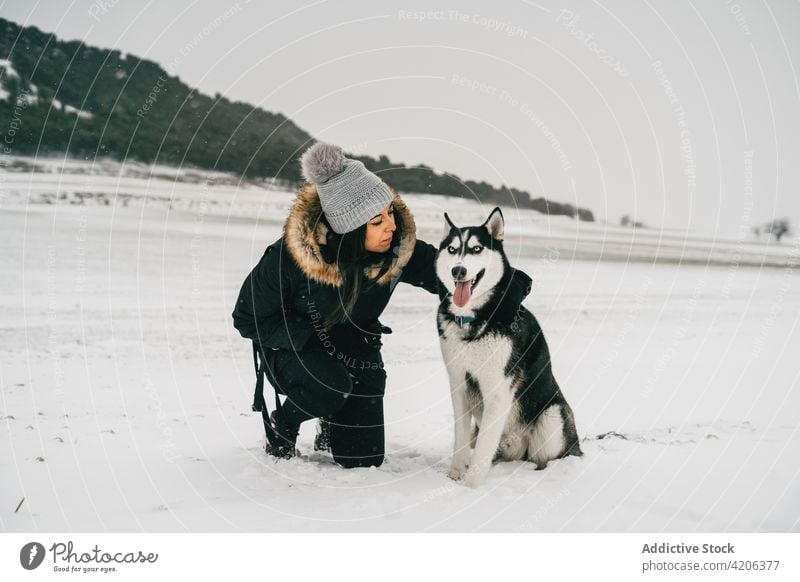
348	252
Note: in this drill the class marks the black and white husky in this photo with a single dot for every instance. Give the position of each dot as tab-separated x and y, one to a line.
506	401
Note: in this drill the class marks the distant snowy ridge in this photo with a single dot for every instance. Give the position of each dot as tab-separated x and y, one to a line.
219	195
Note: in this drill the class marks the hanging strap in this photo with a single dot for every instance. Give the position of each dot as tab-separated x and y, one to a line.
259	404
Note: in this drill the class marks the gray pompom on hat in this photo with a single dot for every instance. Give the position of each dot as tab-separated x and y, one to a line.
349	193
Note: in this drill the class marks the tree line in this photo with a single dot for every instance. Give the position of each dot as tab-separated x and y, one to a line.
71	98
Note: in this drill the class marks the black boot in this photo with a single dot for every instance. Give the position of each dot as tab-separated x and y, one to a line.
322	442
284	438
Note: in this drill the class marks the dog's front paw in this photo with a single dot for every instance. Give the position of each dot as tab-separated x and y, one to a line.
456	473
474	480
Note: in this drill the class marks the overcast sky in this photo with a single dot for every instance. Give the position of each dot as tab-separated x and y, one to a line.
682	114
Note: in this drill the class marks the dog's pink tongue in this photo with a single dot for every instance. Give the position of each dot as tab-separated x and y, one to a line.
462	292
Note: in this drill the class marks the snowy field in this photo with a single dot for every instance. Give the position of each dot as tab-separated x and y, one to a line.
126	391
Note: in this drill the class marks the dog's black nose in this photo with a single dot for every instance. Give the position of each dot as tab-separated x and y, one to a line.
458	273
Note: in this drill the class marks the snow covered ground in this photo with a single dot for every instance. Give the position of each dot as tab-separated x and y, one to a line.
126	391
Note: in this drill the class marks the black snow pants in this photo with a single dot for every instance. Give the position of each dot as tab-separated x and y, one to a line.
347	390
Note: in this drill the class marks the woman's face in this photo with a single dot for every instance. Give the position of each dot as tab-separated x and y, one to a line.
380	229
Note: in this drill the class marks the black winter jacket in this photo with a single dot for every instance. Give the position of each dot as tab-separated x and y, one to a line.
286	297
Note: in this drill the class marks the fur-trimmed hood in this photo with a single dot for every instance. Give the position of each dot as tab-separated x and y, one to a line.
304	232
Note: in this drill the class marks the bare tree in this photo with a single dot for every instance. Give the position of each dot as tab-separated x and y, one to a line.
626	220
777	228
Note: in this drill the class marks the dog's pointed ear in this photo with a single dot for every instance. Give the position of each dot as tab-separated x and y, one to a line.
495	224
448	226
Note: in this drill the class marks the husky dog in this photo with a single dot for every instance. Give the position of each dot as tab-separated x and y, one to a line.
506	401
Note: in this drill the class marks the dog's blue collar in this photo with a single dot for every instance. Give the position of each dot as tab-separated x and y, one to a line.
462	319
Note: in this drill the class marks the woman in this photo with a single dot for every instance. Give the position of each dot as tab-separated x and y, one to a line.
312	303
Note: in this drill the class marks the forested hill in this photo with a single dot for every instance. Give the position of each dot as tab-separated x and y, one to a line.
68	97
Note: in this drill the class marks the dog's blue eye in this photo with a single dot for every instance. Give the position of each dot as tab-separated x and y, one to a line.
477	249
451	250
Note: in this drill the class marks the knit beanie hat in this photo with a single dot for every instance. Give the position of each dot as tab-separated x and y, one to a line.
349	193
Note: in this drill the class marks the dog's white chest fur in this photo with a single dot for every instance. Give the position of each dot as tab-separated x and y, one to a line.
485	359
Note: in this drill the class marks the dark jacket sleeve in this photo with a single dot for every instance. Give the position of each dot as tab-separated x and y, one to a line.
521	284
514	289
262	311
420	270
